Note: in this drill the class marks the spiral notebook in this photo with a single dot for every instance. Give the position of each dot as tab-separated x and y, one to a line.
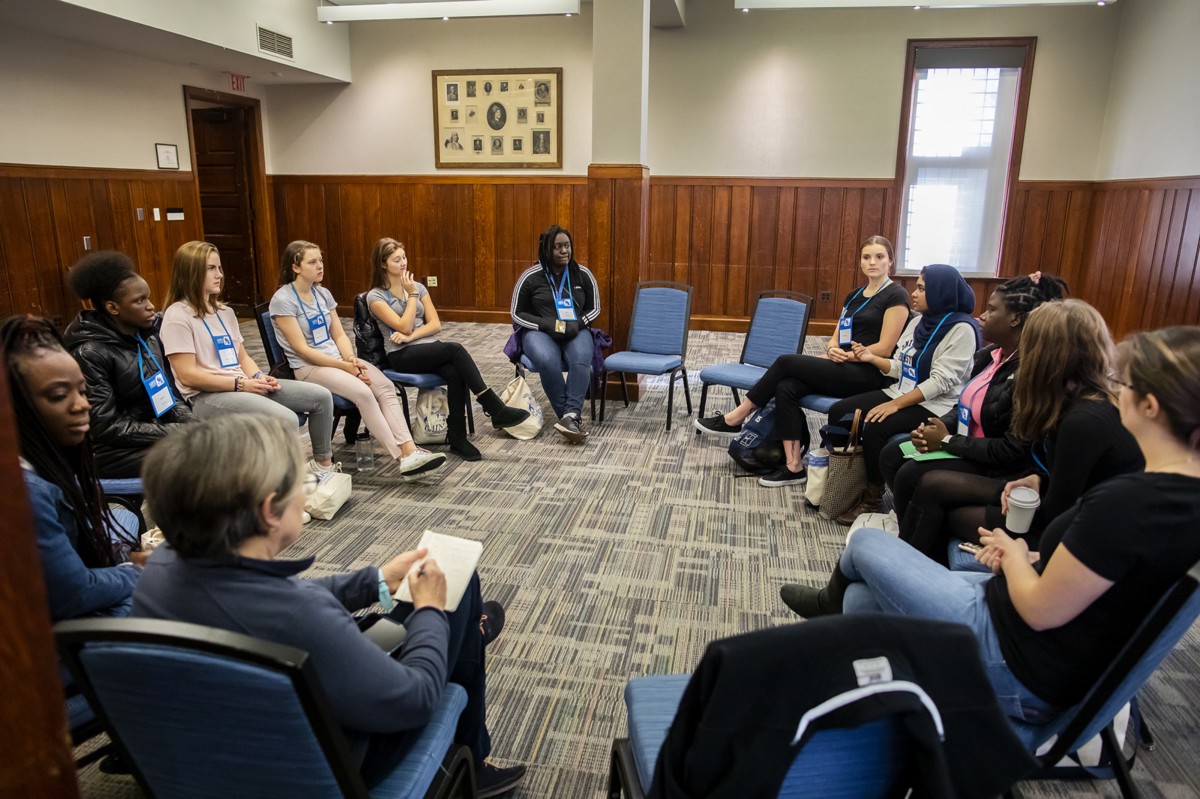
456	557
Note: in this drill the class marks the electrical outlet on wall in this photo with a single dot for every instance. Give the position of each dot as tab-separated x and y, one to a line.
431	281
826	296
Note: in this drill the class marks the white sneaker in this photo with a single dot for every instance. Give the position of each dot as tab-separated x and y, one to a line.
421	461
306	517
320	471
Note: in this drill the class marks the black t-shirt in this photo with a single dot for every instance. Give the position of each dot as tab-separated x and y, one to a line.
1141	531
868	312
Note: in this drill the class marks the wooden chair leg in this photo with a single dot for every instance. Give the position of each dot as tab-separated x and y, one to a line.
703	400
687	391
670	398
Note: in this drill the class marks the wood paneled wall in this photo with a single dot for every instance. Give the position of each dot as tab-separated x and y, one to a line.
46	211
476	234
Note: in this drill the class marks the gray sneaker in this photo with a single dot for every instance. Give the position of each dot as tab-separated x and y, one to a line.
571	429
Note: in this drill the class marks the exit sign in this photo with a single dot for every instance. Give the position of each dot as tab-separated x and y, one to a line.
237	82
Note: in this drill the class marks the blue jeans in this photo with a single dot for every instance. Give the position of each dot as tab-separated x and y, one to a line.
890	576
550	358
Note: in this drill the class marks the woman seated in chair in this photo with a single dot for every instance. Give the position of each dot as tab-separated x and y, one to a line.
873	316
320	353
229	495
129	384
1050	622
976	429
1065	426
554	303
406	317
212	368
90	564
934	360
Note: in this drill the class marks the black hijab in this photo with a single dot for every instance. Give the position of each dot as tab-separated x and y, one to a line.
951	302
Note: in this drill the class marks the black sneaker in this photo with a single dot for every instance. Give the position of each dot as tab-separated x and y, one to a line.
491	622
783	476
715	426
491	780
571	429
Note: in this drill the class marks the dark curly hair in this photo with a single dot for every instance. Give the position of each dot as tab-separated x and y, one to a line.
1022	294
72	469
97	277
546	247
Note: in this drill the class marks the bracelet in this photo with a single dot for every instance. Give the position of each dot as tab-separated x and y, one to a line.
237	383
258	375
413	294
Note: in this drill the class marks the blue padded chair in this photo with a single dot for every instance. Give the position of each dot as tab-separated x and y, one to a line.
341	405
657	340
201	712
778	327
818	403
1150	644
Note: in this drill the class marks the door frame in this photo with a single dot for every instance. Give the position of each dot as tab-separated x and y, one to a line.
261	201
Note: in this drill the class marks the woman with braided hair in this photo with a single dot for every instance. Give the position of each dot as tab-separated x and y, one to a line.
80	545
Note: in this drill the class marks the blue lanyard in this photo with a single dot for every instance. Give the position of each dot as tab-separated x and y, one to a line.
1038	460
303	307
928	341
562	284
153	360
866	302
204	322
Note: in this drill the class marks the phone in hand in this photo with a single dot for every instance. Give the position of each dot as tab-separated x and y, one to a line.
973	549
387	634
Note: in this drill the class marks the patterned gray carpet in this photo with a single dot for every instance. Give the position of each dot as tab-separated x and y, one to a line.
626	557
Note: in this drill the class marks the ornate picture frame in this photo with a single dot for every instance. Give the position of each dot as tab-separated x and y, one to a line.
497	118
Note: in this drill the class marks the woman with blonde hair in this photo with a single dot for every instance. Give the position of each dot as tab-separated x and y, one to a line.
201	338
319	351
1050	621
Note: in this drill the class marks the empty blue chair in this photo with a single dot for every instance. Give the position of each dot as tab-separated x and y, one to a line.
657	340
778	327
201	712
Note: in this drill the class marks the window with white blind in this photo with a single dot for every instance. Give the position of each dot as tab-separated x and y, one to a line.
962	117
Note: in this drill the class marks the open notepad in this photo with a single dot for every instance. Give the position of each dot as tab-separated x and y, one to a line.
456	557
910	451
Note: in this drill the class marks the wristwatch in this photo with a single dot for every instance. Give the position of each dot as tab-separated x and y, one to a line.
385	594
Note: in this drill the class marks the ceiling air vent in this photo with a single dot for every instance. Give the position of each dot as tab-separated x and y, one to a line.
275	43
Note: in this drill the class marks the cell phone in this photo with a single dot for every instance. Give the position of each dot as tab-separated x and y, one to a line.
974	549
387	634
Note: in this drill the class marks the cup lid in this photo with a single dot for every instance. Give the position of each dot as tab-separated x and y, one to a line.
1024	496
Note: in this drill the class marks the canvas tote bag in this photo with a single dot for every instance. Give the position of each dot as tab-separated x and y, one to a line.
847	479
430	417
517	395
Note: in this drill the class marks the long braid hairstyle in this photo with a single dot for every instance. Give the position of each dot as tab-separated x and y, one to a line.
72	469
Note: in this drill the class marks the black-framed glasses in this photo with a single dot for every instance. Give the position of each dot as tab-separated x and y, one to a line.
311	481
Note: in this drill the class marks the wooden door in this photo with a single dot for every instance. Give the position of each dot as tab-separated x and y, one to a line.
222	171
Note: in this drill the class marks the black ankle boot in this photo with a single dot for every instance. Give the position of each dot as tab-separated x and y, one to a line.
502	415
810	602
464	449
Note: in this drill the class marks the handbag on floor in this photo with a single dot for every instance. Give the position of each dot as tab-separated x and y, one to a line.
517	395
430	416
847	478
332	492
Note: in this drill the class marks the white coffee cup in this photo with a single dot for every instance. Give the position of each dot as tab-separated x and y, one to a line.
1023	502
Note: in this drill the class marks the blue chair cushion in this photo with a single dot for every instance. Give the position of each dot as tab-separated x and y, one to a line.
414	380
122	486
342	404
642	363
817	403
737	375
832	765
79	712
416	772
651	703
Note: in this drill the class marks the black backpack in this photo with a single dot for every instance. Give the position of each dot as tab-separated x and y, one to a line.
756	449
367	338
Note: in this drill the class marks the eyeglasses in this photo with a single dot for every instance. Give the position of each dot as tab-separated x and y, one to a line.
564	247
1121	383
311	481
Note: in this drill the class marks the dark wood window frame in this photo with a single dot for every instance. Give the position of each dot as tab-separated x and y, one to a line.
1029	44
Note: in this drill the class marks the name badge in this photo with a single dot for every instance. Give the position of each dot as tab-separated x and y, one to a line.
226	352
908	373
159	392
565	307
964	420
843	332
319	327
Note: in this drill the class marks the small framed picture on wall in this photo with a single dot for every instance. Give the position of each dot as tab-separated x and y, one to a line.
168	156
498	128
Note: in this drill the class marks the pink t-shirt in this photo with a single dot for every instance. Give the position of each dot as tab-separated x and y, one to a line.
182	331
975	391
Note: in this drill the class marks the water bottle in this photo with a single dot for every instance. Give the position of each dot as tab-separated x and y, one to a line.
364	453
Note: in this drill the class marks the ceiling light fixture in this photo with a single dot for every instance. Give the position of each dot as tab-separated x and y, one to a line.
746	5
417	9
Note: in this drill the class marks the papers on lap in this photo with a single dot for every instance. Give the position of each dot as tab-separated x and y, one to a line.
456	557
910	451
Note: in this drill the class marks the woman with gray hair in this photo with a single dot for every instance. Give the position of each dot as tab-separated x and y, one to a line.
229	495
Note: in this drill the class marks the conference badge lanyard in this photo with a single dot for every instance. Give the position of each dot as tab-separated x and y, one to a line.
564	301
226	351
908	366
157	387
964	409
318	325
846	323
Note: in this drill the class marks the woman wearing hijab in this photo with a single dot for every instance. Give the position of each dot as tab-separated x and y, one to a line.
932	364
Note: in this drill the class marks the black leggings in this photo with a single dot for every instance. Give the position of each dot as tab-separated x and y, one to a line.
453	363
948	504
903	475
875	435
793	377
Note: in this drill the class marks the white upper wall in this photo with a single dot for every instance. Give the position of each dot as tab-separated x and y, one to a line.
382	123
1153	123
74	104
817	93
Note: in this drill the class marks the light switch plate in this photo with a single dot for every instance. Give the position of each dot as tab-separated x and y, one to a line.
157	215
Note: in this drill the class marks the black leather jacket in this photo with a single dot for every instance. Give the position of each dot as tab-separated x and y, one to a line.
123	422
